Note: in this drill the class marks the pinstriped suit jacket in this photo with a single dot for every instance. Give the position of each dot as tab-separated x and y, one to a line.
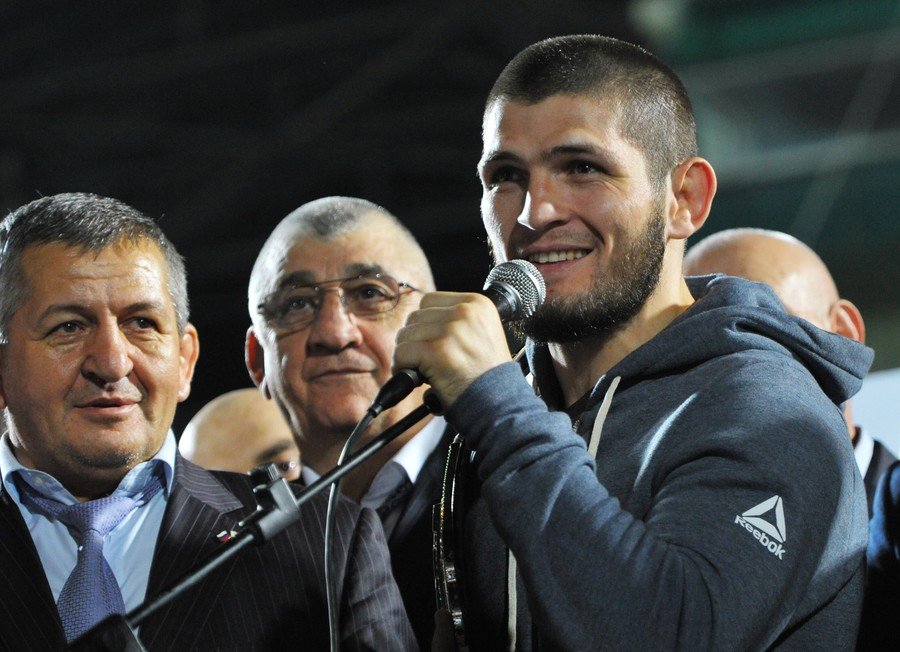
269	597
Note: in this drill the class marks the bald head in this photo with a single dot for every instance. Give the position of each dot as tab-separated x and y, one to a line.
325	220
238	431
799	277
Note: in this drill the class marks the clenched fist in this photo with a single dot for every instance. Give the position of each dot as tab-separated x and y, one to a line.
452	339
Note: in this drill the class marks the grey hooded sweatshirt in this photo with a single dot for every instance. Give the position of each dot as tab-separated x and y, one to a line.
707	499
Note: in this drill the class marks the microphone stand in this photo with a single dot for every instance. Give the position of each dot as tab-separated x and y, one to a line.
277	509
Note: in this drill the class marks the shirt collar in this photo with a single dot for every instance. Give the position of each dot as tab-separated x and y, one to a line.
49	486
411	458
413	455
863	449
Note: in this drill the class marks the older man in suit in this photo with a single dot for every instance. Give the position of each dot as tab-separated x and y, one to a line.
97	509
330	289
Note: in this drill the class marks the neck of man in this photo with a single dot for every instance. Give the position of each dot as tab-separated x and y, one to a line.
87	484
357	482
851	425
579	365
90	487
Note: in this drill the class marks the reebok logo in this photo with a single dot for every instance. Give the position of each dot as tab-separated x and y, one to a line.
769	535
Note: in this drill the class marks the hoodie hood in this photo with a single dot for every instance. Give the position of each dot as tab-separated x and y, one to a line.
730	315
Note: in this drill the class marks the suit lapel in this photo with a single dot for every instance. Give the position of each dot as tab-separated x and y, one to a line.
29	618
199	508
426	490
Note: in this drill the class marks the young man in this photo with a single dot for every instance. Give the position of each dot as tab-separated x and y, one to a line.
330	289
708	497
97	509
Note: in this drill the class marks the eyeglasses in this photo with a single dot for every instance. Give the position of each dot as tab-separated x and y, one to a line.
295	307
287	467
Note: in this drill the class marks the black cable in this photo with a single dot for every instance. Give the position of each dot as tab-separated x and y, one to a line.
330	567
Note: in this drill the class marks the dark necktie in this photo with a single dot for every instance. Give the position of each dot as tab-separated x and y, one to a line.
91	593
396	499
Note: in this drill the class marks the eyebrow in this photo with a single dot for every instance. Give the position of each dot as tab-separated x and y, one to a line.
498	155
271	451
575	148
502	155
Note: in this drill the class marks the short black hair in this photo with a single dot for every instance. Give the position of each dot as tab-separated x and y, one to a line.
655	113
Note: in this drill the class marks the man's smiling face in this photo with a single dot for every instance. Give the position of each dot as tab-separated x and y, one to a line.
94	364
563	189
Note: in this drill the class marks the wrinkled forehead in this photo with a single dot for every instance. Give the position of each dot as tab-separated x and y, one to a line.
78	265
304	259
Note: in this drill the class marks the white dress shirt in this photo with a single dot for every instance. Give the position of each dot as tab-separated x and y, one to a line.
863	449
405	464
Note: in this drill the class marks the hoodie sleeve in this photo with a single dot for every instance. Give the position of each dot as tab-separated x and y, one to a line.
682	567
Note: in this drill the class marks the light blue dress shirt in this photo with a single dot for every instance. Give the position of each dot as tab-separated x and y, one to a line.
128	548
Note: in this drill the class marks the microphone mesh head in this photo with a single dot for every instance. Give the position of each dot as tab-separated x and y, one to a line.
525	279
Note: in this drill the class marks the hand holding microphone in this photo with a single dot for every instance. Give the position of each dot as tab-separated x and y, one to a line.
456	337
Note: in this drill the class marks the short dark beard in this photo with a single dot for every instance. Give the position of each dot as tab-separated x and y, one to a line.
613	299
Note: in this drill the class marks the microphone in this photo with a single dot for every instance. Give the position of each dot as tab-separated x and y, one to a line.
516	289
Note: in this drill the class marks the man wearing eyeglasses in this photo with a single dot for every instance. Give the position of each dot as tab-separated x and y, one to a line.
330	289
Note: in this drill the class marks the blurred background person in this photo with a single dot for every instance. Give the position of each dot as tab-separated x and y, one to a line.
878	629
806	288
238	431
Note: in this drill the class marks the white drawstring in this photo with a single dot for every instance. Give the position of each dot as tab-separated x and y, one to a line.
511	591
512	596
601	417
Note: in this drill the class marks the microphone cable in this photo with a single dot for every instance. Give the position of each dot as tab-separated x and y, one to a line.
330	562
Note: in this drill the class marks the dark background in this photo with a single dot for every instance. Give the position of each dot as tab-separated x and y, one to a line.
219	118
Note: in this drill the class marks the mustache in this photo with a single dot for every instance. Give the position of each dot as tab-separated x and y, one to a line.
344	361
121	392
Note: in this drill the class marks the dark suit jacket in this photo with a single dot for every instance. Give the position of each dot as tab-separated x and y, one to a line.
878	629
881	460
411	543
268	597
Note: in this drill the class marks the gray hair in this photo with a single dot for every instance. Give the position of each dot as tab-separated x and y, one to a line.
325	219
328	217
89	222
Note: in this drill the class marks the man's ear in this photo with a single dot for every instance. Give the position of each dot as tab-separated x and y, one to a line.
255	359
693	189
846	319
189	351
